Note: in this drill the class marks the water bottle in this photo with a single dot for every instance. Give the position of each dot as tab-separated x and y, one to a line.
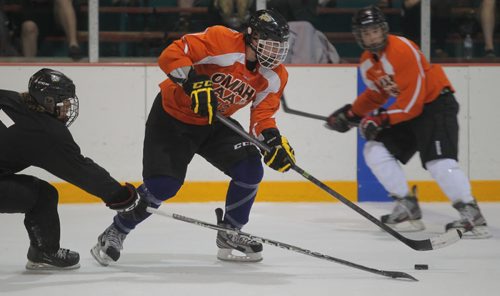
468	47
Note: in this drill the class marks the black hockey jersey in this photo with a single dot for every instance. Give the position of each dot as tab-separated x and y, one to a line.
29	138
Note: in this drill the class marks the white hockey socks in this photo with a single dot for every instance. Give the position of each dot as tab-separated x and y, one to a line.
386	168
451	179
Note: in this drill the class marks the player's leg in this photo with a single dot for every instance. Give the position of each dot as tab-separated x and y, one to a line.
38	200
241	160
382	157
152	193
65	16
246	176
169	146
438	131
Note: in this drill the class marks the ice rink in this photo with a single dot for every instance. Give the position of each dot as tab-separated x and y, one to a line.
168	257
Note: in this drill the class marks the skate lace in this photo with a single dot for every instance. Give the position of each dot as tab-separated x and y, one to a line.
61	253
241	240
470	214
115	238
401	207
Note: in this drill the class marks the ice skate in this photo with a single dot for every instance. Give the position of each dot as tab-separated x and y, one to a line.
471	222
61	259
251	251
109	244
406	215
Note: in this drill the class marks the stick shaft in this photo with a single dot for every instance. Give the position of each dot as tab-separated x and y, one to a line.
289	110
282	245
419	245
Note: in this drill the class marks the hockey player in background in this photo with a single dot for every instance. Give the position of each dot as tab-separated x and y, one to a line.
423	118
33	132
218	70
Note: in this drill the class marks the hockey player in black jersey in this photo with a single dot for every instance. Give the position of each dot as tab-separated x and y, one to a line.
34	132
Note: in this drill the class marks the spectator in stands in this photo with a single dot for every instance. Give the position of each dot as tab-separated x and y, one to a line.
38	20
296	10
185	17
6	48
440	19
307	45
234	13
487	16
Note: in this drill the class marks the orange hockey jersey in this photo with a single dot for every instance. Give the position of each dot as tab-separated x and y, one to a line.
219	52
401	71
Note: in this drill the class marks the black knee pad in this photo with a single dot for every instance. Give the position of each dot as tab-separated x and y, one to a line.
249	171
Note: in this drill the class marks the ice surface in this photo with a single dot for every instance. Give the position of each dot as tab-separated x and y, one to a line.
168	257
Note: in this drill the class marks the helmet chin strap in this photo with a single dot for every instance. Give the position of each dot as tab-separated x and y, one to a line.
254	50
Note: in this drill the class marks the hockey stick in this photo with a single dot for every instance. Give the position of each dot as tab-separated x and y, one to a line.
433	243
392	274
300	113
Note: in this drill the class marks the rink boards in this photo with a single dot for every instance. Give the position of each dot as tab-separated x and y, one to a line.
115	100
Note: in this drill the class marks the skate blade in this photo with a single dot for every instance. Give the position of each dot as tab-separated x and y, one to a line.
227	255
35	266
408	226
478	232
101	257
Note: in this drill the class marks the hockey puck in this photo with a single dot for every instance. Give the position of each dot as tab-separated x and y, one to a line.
421	266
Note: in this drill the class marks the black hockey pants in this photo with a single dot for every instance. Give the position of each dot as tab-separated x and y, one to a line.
38	200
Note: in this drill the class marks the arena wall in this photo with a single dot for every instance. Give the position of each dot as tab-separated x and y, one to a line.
115	100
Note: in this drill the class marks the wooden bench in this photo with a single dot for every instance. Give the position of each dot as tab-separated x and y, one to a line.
160	36
123	36
136	36
200	10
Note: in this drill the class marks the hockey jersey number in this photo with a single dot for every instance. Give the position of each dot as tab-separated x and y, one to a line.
5	119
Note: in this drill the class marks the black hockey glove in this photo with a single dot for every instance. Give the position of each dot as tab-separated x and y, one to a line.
125	200
203	100
281	157
343	119
372	124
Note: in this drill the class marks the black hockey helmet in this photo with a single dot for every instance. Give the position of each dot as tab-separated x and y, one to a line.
55	92
370	17
271	32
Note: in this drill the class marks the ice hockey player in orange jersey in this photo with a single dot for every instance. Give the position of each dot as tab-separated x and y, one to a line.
215	71
422	118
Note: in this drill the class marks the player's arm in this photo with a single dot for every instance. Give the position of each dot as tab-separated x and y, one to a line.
343	119
263	125
192	48
410	78
348	116
368	101
200	90
64	160
177	62
407	85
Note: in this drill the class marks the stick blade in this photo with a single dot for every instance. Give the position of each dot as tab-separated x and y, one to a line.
399	275
437	242
446	239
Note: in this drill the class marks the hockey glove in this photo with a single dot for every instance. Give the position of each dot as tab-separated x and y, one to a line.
343	119
281	157
371	125
203	100
125	199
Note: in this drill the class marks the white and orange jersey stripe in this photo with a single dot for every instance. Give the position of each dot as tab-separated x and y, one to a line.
219	52
399	71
